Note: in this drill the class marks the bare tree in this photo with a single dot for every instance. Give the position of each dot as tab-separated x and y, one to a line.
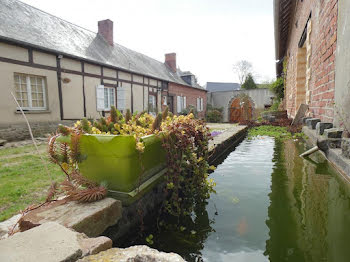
242	69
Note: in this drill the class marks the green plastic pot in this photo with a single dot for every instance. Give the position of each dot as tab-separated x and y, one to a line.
114	160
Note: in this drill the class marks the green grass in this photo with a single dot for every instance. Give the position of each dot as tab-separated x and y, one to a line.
277	132
23	178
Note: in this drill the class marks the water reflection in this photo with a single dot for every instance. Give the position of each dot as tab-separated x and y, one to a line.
309	218
271	205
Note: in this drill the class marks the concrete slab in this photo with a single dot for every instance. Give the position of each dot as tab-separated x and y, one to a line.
88	218
230	131
7	225
50	242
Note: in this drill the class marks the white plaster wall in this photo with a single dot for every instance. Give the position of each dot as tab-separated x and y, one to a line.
260	97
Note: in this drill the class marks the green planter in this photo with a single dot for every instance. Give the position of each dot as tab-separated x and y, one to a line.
114	160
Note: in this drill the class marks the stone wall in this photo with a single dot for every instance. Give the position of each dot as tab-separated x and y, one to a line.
321	41
17	132
260	97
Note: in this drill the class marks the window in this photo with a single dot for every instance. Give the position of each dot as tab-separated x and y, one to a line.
105	98
165	101
121	99
152	104
199	104
30	91
181	103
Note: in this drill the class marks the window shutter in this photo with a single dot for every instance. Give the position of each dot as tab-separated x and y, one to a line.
201	104
100	98
178	104
121	98
198	104
184	102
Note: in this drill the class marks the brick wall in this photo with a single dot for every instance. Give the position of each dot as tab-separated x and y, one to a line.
323	38
191	96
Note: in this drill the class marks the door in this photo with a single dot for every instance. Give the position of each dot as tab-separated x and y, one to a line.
171	104
240	111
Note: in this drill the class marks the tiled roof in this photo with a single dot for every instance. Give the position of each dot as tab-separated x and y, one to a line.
26	24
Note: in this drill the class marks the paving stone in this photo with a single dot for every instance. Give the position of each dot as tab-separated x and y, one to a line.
321	126
333	133
311	122
88	218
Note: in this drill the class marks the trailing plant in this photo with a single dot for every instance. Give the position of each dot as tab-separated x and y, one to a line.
185	140
186	143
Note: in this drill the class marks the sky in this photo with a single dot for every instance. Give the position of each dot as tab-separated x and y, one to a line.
208	36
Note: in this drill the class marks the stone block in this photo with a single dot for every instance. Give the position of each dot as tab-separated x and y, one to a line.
311	123
134	253
50	242
7	225
92	246
88	218
2	142
333	133
334	142
304	119
321	126
345	147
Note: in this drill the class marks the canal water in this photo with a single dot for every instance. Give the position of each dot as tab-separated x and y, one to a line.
270	205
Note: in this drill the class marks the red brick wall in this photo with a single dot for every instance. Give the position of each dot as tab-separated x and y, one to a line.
323	46
191	96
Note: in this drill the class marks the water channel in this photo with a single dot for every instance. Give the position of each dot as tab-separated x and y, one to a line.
270	205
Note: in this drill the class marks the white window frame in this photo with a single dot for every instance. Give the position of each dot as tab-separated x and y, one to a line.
200	104
181	103
100	98
153	102
29	92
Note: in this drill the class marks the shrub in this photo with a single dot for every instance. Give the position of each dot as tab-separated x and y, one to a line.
214	116
278	88
190	109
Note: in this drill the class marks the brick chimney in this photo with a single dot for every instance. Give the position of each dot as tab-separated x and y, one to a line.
170	61
105	28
